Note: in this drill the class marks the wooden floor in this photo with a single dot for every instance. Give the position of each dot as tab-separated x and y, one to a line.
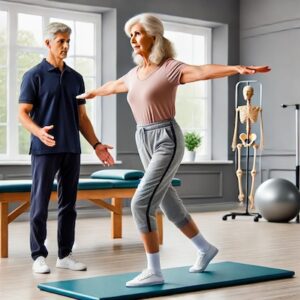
242	240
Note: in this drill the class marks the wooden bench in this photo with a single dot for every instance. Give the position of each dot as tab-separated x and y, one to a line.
93	190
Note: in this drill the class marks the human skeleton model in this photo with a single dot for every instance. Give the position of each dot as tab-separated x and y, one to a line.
249	115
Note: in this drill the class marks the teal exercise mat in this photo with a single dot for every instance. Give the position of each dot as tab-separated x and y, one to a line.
177	280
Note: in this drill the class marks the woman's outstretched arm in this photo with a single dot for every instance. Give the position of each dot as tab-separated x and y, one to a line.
192	73
109	88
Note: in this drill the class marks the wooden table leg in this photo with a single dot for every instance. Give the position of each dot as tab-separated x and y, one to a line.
4	229
116	218
159	221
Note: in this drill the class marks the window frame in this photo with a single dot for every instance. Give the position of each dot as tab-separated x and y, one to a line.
13	9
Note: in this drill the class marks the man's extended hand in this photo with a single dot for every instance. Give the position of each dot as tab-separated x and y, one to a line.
45	137
103	154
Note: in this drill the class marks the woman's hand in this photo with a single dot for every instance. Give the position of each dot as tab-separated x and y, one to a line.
245	70
103	154
87	95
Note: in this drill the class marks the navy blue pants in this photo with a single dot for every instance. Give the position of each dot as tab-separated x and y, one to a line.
44	168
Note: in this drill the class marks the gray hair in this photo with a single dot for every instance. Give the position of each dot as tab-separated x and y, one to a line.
55	27
162	47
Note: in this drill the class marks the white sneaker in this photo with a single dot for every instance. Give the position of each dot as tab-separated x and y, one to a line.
204	259
146	278
69	262
40	266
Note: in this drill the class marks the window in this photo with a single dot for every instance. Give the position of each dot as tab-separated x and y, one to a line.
193	103
21	48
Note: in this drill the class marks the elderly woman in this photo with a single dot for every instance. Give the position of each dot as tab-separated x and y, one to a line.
151	88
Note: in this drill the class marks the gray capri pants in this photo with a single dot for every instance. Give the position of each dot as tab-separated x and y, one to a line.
161	147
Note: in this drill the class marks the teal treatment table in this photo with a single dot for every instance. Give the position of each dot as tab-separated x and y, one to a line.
114	184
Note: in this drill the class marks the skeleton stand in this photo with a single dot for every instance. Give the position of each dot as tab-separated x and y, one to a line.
297	106
233	215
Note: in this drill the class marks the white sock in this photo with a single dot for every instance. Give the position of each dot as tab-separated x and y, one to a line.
153	261
200	242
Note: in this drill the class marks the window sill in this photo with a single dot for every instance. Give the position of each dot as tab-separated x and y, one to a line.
97	162
28	163
119	162
208	162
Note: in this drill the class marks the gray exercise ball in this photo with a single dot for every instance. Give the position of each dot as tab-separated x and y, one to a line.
277	200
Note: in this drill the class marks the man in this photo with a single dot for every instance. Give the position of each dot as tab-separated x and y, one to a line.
49	110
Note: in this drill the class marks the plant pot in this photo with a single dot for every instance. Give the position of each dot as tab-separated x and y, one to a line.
190	155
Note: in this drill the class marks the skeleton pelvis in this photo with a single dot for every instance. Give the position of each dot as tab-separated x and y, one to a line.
248	142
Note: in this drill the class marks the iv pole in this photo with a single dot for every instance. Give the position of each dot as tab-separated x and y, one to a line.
297	145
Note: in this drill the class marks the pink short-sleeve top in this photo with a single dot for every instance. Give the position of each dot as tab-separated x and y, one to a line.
153	99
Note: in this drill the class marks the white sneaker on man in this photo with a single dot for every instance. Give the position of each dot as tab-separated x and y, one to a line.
40	266
146	278
69	262
203	259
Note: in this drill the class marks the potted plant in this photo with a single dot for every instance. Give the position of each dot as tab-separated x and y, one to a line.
192	141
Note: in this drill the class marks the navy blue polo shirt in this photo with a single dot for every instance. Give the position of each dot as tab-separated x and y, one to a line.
53	96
